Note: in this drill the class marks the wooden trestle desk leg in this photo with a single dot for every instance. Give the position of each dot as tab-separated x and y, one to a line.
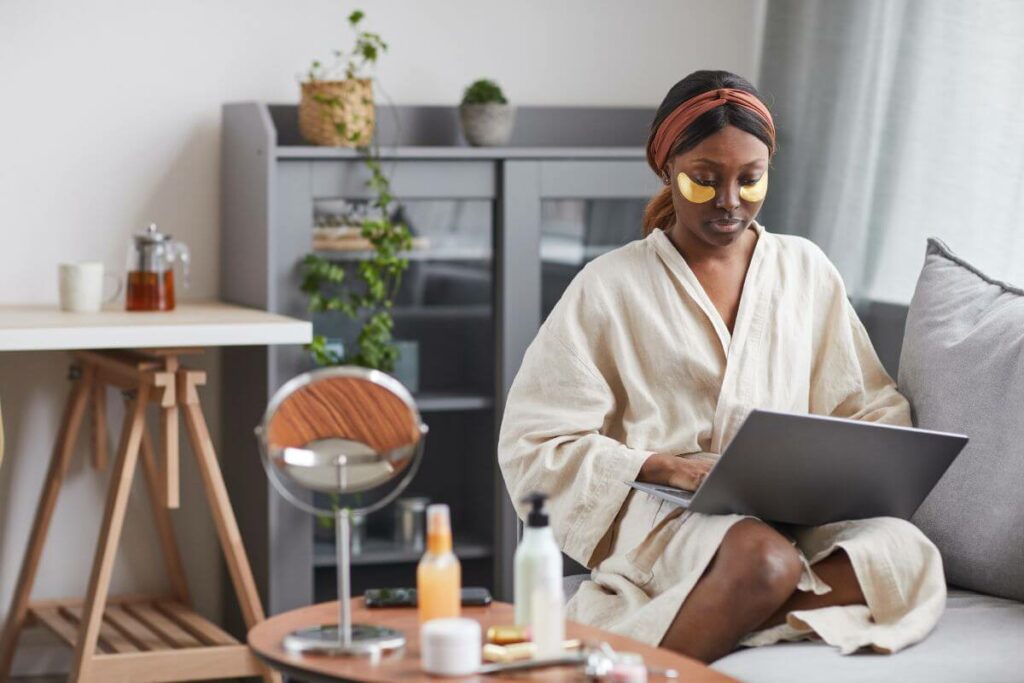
169	441
98	400
70	423
110	534
220	504
162	519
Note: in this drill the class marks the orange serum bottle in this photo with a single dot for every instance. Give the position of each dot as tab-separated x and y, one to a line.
439	575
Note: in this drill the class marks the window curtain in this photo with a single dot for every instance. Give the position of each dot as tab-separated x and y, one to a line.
897	120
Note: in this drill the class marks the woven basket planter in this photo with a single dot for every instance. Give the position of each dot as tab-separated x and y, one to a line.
327	106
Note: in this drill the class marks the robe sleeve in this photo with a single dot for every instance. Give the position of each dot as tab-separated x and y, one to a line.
551	440
847	379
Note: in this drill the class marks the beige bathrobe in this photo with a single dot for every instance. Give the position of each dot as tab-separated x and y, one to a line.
635	359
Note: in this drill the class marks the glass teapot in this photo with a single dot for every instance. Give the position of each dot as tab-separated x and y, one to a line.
151	257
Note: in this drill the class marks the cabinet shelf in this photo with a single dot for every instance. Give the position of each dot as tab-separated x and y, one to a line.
552	250
377	551
300	152
423	312
570	252
436	401
452	253
442	311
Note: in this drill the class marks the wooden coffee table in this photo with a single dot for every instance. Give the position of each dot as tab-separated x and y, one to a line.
265	639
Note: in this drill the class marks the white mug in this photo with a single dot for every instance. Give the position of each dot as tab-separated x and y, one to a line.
81	287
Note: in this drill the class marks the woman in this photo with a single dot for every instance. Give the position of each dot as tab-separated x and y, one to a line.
645	370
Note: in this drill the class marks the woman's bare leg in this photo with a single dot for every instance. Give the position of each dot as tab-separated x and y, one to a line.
837	572
754	572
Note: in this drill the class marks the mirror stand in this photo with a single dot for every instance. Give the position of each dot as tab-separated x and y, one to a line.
345	638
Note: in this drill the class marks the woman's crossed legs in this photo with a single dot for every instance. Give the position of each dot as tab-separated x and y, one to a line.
749	585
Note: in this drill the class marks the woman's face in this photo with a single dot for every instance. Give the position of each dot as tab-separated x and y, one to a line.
725	162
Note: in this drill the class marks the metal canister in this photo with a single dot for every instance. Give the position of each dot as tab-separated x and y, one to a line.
410	525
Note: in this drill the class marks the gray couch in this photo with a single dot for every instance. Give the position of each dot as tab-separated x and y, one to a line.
958	354
980	638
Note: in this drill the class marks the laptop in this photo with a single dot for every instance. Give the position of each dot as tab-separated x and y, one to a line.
812	470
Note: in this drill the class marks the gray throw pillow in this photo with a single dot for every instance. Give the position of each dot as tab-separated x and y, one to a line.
962	368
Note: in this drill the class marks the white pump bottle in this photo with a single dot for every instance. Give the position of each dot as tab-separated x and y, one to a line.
538	578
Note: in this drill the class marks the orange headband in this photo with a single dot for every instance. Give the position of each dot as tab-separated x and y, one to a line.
686	113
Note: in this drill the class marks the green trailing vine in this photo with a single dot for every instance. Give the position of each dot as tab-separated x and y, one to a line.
379	276
368	47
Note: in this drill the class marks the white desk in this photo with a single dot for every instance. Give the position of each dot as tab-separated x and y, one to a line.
156	637
47	328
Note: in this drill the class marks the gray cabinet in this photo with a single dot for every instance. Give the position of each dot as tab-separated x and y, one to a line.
500	232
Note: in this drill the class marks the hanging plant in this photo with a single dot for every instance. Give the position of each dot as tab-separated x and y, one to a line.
378	277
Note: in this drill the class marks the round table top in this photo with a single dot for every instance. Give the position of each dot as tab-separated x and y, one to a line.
265	640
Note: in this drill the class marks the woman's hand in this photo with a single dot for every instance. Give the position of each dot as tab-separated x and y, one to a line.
674	470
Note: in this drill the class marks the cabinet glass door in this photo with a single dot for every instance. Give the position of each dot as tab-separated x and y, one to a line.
573	232
443	311
557	215
443	316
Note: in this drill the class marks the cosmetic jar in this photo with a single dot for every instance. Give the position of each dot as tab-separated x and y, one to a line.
450	647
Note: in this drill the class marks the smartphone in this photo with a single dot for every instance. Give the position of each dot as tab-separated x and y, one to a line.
406	597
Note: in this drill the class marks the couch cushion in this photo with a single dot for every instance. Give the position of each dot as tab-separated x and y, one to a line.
962	368
571	584
979	638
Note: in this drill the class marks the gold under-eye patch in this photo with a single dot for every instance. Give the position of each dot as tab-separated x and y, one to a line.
698	194
757	191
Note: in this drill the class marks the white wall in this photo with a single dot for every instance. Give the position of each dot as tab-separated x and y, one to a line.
110	116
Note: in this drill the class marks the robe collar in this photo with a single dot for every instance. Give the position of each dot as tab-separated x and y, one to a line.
675	262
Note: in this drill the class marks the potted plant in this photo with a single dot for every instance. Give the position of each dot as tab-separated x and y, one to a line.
337	106
485	114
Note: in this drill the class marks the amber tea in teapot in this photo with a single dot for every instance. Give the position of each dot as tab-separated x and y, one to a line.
150	281
150	291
